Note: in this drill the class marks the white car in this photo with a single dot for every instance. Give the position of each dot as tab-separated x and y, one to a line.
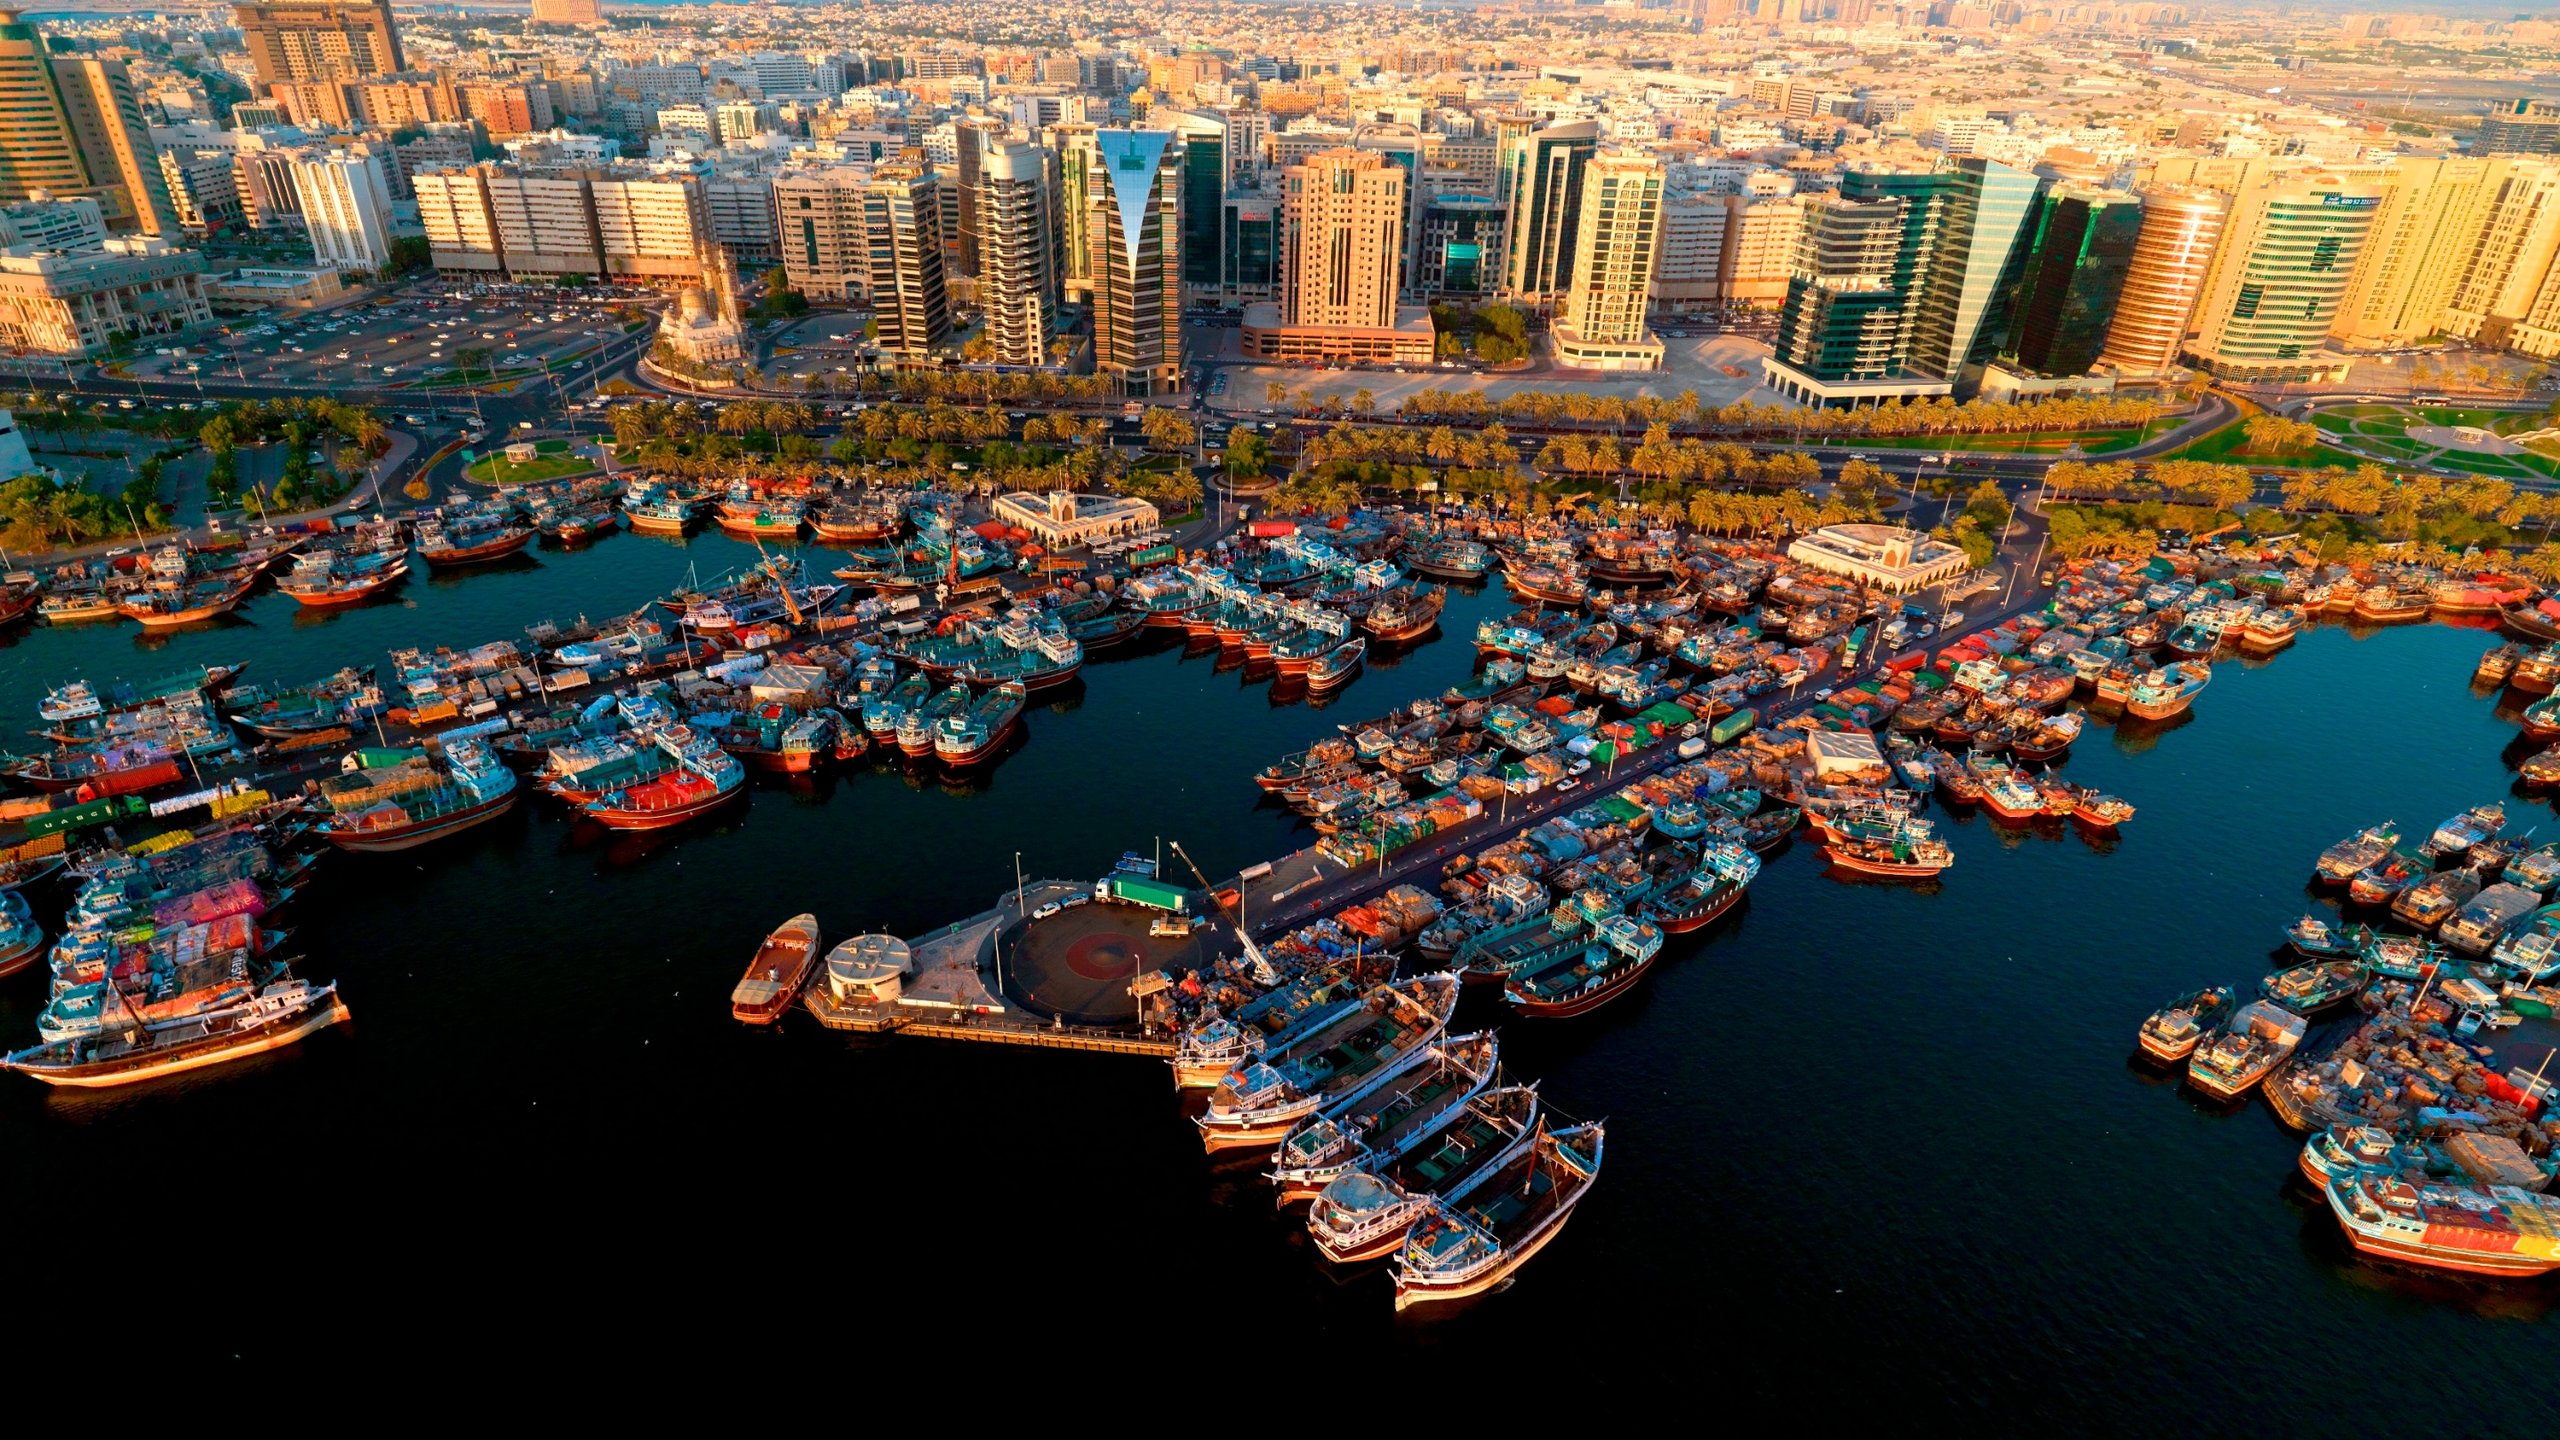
1045	911
1568	783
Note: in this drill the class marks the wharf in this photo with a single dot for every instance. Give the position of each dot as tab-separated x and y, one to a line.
952	994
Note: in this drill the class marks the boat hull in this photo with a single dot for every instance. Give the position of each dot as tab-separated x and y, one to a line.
1583	1002
412	836
480	554
182	1059
1889	872
618	818
336	597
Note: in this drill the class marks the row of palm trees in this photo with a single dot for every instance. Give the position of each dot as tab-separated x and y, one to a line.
1929	417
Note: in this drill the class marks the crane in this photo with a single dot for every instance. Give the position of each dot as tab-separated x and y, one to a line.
1262	971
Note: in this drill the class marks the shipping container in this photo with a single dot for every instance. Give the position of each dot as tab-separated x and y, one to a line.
1734	726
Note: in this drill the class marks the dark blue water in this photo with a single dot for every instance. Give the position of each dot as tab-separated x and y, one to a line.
1861	1136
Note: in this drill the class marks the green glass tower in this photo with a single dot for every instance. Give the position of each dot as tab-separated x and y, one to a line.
2075	271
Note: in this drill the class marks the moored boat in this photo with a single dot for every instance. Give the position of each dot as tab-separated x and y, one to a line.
774	977
2170	1033
1470	1245
1367	1045
1379	1127
2239	1055
2317	985
1364	1213
280	1013
2475	1229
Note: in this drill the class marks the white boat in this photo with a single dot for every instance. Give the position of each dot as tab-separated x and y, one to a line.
1355	1052
1364	1212
1470	1245
1387	1121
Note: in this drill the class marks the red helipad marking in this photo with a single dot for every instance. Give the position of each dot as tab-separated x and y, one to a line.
1103	957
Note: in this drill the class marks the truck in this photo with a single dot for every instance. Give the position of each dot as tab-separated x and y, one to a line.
1734	726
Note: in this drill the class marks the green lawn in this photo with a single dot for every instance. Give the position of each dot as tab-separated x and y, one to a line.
445	379
2223	447
495	469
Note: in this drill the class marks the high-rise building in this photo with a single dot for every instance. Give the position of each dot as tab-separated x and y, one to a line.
2181	228
630	222
1340	266
902	250
1339	251
1539	181
2077	259
79	302
971	135
568	12
1688	273
1073	140
2519	242
2287	253
1900	282
346	206
1133	234
290	40
114	142
2429	223
2520	127
1760	247
1970	268
1600	325
1203	140
817	230
1017	271
69	126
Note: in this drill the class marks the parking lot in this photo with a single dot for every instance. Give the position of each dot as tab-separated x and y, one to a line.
412	341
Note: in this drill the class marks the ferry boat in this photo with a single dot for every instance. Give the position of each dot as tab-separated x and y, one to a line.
278	1014
1365	1212
572	526
2270	629
81	700
164	607
659	510
702	777
2051	737
1621	949
858	522
2171	1032
2318	985
774	519
1547	584
2536	869
2256	1040
1450	559
2347	1149
2478	926
1405	614
1895	847
1390	1029
1204	1053
1378	1127
2382	603
409	799
1471	1245
968	737
470	538
1723	873
2342	862
2495	1230
1337	665
2456	836
71	607
2167	691
2433	900
2313	938
774	977
323	580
